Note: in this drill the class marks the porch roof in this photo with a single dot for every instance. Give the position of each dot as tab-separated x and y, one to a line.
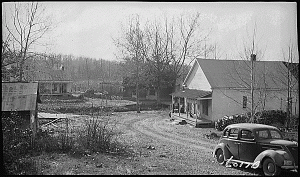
191	93
54	81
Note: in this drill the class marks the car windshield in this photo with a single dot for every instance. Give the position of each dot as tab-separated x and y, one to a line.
268	134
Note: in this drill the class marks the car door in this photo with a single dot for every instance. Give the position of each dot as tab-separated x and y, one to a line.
248	148
233	142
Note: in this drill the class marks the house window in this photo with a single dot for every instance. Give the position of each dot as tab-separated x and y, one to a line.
133	92
151	91
244	102
55	88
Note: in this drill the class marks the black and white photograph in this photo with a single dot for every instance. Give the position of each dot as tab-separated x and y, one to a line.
150	88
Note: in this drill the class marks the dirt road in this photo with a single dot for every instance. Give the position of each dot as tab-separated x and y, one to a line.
177	149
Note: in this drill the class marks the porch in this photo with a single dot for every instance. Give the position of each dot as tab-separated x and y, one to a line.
194	106
197	122
54	87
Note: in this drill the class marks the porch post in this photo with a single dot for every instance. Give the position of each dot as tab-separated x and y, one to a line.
172	109
179	106
196	111
187	114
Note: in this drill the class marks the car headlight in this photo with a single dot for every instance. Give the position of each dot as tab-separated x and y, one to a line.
287	162
284	154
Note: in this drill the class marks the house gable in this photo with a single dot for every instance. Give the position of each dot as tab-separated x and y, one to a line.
196	79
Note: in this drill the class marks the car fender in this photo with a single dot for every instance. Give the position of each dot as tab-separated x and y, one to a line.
273	154
225	150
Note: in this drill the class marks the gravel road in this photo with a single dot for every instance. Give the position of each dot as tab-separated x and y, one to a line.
164	147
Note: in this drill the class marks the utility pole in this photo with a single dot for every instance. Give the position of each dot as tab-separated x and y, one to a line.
87	72
288	107
252	58
215	51
205	50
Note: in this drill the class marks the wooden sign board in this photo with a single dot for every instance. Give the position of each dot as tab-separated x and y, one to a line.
19	96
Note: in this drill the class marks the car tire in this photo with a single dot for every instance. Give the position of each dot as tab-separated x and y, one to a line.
270	168
220	156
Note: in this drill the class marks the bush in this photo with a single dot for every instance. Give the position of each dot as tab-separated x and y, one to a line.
270	117
227	120
16	142
97	135
45	142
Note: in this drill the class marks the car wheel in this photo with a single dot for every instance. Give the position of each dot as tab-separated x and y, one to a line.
220	156
270	168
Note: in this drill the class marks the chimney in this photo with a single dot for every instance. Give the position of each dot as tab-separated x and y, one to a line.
253	57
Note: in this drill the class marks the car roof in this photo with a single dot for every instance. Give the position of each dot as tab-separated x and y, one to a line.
251	126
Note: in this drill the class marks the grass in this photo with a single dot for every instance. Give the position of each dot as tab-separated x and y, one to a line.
95	135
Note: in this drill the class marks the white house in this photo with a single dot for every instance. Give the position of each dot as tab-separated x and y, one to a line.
223	87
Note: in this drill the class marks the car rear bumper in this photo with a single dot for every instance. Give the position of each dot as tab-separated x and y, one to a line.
289	167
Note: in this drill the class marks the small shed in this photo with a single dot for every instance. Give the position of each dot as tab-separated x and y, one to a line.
21	97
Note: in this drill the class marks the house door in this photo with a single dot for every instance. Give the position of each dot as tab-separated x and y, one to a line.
205	107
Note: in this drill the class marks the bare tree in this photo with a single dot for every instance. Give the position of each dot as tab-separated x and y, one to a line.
133	48
25	26
191	42
245	71
171	46
164	47
290	80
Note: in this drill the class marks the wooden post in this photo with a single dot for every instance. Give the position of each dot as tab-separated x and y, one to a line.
33	125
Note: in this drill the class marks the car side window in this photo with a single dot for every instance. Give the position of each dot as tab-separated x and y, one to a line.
275	134
233	133
262	134
247	134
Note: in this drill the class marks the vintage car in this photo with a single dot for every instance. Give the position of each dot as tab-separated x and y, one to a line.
256	146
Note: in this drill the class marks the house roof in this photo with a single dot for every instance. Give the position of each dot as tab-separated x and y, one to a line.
56	75
237	73
191	93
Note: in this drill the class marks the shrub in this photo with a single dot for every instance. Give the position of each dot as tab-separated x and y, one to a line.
97	135
270	117
45	142
227	120
16	143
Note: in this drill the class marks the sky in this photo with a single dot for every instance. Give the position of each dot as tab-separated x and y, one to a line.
88	28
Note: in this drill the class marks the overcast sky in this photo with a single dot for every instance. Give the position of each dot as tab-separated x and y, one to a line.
87	28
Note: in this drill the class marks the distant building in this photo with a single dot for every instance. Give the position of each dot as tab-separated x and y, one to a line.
52	80
147	93
54	83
